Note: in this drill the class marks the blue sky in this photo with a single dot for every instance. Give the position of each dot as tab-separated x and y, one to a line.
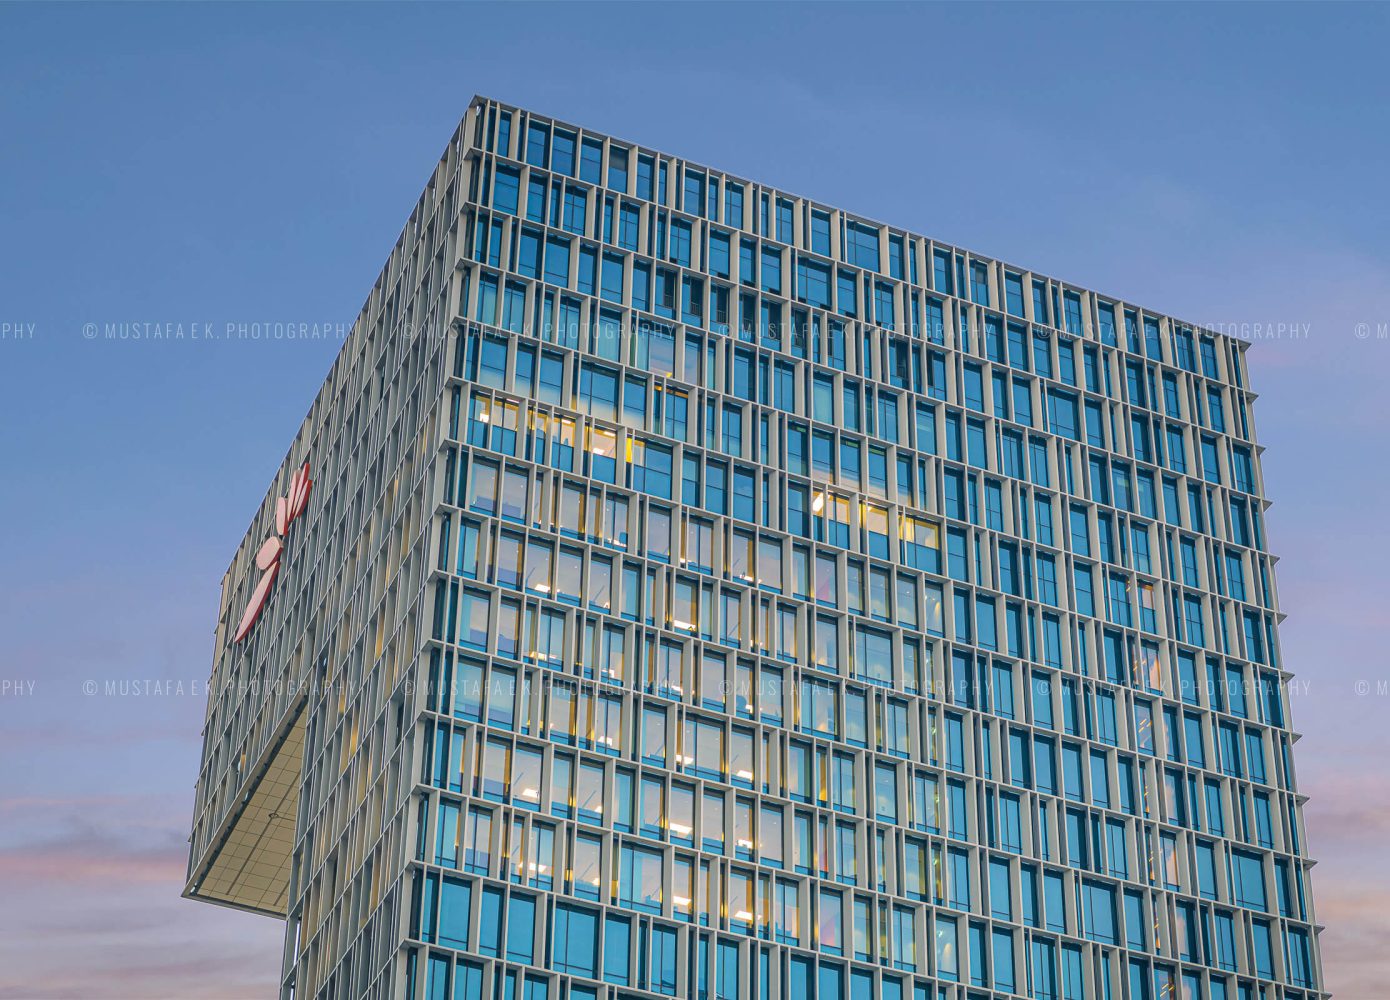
253	164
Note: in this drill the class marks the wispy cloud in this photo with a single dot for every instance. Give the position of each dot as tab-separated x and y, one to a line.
93	908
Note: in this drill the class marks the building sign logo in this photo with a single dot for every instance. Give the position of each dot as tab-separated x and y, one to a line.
287	508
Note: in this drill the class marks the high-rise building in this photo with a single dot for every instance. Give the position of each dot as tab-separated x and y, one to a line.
680	587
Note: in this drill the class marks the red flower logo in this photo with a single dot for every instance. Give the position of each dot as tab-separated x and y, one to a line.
287	508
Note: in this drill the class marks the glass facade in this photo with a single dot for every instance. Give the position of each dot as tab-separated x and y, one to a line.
745	600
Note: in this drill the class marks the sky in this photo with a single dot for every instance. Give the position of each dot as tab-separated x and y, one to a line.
217	167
